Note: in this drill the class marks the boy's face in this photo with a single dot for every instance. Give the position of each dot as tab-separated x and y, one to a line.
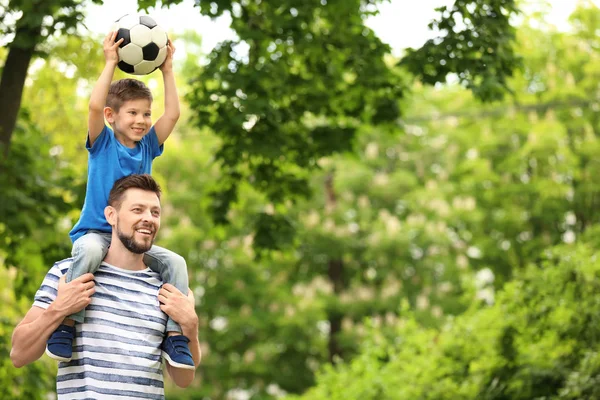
132	122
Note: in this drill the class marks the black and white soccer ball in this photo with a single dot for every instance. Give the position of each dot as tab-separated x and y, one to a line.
144	47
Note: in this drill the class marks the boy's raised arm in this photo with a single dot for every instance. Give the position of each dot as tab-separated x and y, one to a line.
165	124
100	91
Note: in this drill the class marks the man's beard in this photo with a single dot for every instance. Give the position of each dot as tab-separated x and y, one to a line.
131	245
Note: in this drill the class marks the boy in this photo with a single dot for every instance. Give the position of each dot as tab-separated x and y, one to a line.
128	148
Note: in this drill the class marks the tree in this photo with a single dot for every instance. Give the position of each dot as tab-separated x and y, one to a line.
33	201
308	76
315	82
421	212
41	194
313	71
38	20
526	346
476	43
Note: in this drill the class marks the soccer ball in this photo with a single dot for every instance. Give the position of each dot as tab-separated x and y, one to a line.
144	46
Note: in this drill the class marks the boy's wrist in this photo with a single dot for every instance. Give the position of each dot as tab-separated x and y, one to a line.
166	70
112	63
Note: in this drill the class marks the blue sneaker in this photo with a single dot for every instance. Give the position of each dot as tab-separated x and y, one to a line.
60	344
176	351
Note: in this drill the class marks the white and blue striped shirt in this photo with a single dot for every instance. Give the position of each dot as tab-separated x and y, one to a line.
116	353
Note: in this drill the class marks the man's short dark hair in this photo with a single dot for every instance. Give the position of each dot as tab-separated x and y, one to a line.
134	181
125	90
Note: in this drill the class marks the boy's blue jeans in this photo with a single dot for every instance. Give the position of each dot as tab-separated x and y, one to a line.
90	249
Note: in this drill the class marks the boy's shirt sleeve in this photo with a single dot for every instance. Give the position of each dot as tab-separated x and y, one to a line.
99	143
46	294
155	149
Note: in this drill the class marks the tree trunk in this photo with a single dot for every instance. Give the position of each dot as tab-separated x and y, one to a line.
12	81
335	272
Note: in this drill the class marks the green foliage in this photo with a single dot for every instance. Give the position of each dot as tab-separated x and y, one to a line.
476	43
299	149
414	213
35	380
540	340
41	19
34	199
312	71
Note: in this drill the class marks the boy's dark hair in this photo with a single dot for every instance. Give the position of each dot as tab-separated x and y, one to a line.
134	181
124	90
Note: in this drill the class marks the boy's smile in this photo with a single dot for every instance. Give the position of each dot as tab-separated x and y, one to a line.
132	122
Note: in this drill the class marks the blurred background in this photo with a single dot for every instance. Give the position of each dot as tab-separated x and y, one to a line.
376	199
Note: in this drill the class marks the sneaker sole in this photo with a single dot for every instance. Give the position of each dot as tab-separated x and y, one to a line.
55	357
176	364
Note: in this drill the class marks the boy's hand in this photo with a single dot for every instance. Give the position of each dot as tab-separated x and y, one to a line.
167	65
111	55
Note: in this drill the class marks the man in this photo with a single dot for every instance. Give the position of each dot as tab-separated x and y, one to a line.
117	350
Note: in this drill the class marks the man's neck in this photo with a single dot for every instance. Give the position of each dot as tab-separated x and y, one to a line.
120	257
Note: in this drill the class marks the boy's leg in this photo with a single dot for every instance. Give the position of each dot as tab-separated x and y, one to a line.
172	269
88	252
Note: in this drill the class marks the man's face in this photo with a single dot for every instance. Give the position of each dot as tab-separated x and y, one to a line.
138	220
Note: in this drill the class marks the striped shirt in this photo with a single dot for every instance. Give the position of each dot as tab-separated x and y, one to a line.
116	352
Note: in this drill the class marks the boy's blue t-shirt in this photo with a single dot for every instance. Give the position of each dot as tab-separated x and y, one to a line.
108	161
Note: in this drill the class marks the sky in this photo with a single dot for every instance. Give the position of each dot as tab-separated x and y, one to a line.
400	23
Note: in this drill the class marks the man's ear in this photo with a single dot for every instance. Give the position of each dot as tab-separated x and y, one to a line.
110	213
109	115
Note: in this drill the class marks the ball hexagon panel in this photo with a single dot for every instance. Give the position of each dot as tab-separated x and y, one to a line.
144	67
123	66
123	33
147	21
150	51
162	55
131	54
128	21
159	36
140	35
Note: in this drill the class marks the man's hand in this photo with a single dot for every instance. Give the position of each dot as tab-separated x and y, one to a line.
167	65
179	307
75	295
30	336
111	54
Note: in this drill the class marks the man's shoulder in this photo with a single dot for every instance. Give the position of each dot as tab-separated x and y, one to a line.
47	291
60	267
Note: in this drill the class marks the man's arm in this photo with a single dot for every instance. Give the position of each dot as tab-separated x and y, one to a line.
30	336
181	309
100	91
165	124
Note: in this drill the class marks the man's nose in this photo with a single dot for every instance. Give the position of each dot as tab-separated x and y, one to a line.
147	215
